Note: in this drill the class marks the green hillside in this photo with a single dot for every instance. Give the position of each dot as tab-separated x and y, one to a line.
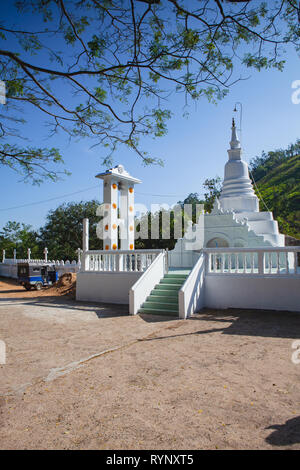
277	177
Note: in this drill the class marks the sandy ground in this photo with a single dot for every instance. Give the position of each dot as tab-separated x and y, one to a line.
84	376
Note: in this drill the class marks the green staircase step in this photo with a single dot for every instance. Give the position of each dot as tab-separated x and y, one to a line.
172	280
175	276
165	293
159	311
163	300
164	305
160	299
175	287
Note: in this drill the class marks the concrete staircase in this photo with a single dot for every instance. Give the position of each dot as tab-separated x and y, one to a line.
163	299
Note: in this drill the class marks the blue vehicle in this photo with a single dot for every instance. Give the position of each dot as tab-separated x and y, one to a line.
36	275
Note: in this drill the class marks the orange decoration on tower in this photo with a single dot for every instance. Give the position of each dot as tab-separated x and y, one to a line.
114	186
131	246
114	205
114	246
130	190
131	228
106	227
114	226
107	247
130	208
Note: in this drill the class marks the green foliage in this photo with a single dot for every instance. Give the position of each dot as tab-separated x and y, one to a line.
32	163
117	61
20	237
62	233
213	188
277	176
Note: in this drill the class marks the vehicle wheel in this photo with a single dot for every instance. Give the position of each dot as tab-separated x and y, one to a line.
27	286
38	286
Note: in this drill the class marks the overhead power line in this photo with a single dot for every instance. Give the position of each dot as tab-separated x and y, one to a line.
49	200
82	191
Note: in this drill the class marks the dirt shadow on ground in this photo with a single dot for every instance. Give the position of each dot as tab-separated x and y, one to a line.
285	434
101	310
265	323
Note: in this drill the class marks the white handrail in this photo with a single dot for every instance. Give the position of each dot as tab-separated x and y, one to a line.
191	294
246	250
146	283
121	252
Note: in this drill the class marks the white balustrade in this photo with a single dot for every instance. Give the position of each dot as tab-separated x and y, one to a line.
116	261
253	261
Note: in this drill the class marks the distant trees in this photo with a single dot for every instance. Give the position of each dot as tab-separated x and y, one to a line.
213	188
15	235
62	233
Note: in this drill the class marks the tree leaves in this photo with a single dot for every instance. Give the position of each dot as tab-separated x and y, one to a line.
116	62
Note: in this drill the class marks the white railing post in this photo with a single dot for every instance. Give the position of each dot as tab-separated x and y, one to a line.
15	255
295	262
29	254
78	256
207	262
85	245
3	256
260	262
46	255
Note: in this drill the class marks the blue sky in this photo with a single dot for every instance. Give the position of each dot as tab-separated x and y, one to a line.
193	150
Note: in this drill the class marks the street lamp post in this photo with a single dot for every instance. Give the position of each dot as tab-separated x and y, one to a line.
241	116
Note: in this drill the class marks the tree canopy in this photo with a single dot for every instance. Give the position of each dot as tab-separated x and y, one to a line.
107	68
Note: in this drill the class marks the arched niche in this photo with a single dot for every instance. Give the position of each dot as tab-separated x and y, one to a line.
217	242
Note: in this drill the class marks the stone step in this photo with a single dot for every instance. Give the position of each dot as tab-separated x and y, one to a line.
161	299
175	276
175	287
161	305
173	280
159	311
165	293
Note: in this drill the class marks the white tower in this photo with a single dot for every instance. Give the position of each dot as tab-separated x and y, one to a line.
118	203
237	193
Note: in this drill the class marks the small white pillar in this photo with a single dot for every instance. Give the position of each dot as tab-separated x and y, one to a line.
3	256
28	254
78	255
46	254
15	255
85	244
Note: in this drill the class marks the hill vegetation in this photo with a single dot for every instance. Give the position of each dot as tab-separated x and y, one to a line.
277	178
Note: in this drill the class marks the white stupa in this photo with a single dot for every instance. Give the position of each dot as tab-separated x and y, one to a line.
237	192
235	220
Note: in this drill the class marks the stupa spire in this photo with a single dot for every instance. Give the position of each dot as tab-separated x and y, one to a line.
235	150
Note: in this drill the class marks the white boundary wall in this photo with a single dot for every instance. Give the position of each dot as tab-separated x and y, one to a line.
265	278
259	292
109	287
